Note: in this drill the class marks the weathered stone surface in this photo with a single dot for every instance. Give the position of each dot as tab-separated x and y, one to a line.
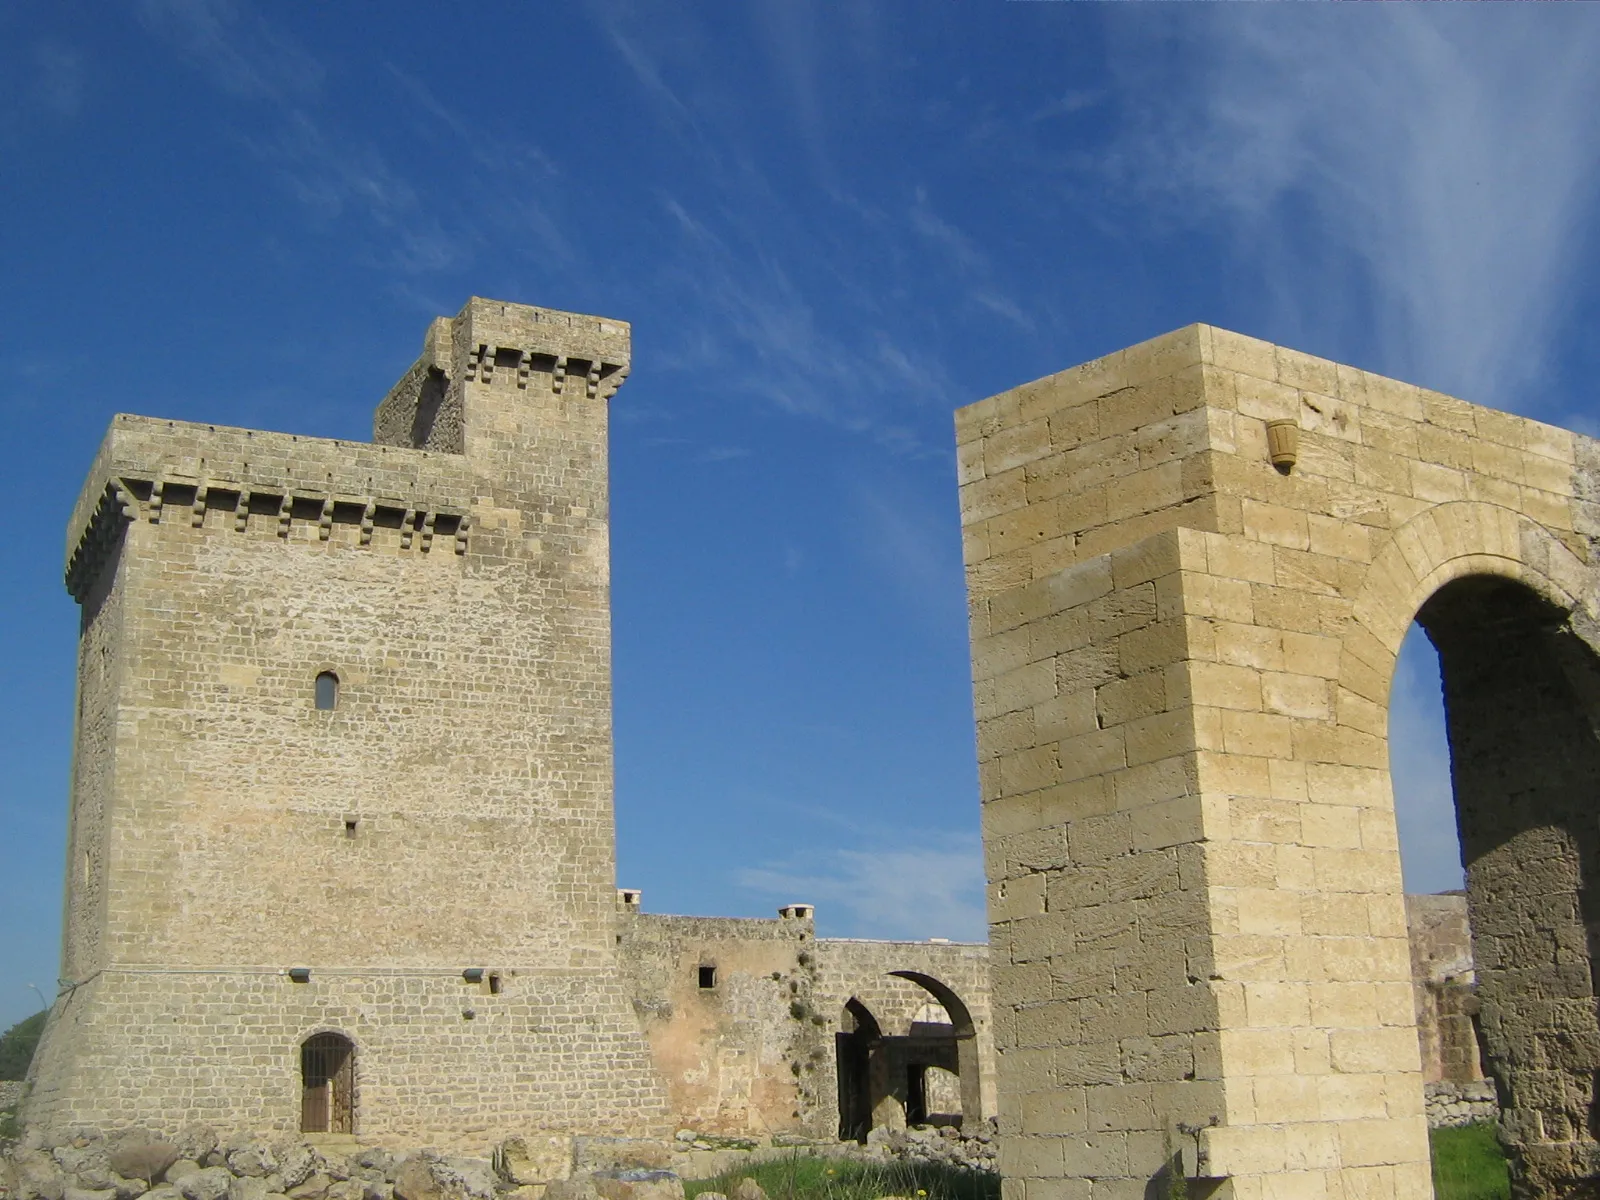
537	1158
747	1189
428	1178
38	1176
638	1184
248	1188
251	1158
208	1183
179	1168
296	1162
196	1142
575	1187
143	1160
312	1187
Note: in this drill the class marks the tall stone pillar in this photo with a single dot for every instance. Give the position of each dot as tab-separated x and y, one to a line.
1190	567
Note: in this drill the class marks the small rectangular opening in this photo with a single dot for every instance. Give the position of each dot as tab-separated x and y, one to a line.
350	827
708	977
494	983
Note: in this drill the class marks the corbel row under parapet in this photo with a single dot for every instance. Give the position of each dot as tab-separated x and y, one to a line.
601	378
245	506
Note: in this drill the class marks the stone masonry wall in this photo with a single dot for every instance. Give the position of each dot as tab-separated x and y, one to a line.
1182	655
755	1053
453	813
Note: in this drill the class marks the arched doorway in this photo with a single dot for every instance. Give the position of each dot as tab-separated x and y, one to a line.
926	1072
327	1084
854	1044
1522	716
952	1047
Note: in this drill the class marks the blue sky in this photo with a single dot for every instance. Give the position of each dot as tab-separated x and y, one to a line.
831	225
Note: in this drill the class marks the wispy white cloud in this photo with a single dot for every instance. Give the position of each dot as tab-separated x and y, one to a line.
1416	178
945	237
915	547
932	890
338	173
44	84
759	329
236	48
59	78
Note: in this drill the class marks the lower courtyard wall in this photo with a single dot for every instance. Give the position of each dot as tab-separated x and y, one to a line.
750	1024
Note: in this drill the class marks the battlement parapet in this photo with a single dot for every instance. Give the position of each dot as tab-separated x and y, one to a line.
158	471
542	349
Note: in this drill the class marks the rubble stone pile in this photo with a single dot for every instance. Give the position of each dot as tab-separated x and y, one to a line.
1452	1104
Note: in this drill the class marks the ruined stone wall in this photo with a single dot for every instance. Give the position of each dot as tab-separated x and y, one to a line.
738	1048
1182	655
1442	983
452	813
754	1054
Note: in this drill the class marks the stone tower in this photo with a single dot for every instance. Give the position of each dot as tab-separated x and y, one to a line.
341	849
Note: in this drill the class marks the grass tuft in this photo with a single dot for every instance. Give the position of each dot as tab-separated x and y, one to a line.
803	1177
1468	1164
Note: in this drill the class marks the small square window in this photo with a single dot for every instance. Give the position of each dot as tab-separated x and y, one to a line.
708	977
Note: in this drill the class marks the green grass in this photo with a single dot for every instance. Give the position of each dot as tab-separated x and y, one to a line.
1468	1164
801	1177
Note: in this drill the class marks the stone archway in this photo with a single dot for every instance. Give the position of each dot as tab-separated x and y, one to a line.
1184	630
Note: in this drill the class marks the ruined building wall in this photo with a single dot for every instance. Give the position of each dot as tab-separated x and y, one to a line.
453	812
725	1005
1442	984
752	1048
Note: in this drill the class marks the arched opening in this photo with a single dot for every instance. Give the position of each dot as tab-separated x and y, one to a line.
327	691
1521	693
854	1044
327	1084
950	1047
927	1075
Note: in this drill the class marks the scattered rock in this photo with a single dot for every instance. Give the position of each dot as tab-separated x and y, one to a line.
249	1188
146	1160
424	1177
208	1183
577	1187
638	1184
747	1189
251	1158
313	1187
196	1142
297	1162
180	1168
73	1193
537	1159
39	1177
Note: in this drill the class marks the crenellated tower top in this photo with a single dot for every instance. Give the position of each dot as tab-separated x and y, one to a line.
540	351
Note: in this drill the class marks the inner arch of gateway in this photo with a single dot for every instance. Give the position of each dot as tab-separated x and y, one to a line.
1190	566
